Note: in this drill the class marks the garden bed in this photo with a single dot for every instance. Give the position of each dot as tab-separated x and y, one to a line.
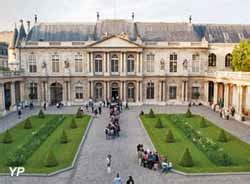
238	150
64	153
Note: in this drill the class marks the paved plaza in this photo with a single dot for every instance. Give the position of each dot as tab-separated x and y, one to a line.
91	166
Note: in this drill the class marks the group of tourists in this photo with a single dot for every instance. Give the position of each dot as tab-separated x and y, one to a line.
113	128
152	160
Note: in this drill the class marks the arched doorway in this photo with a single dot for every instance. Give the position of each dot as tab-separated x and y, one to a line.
56	93
98	91
114	91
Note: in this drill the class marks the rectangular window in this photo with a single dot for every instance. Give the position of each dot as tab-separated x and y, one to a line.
32	64
173	63
78	63
79	92
33	91
150	63
172	92
55	63
195	93
195	63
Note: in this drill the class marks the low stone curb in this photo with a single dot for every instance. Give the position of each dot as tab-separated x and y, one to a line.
64	169
193	174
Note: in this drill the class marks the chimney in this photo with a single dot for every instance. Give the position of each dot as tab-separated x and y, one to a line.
97	16
190	19
133	16
28	26
35	19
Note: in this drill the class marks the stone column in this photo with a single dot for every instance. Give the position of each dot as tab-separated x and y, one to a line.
121	90
2	99
141	63
187	89
141	91
240	97
104	90
88	63
13	97
137	63
206	87
89	91
104	63
215	93
159	92
22	93
91	63
125	91
108	90
108	63
121	64
183	91
137	91
226	95
125	64
164	91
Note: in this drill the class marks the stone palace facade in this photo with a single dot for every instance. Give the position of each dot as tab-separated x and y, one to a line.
138	62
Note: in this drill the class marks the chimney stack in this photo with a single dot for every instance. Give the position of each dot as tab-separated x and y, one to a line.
133	16
35	19
190	19
28	26
97	16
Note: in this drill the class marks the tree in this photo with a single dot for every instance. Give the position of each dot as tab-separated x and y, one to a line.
203	123
241	57
151	113
73	124
41	114
188	113
222	136
159	124
64	138
7	139
186	160
27	124
79	113
170	136
51	160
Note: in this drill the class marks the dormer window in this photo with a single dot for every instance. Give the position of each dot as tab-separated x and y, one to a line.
212	60
226	36
228	60
241	36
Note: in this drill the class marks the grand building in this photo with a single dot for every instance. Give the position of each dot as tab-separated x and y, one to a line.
138	62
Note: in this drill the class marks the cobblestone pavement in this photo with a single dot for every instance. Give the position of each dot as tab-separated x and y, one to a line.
91	166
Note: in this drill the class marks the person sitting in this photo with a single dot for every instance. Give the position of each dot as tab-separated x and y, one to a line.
170	166
164	167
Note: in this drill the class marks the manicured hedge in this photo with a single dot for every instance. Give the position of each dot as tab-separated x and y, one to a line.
213	150
33	142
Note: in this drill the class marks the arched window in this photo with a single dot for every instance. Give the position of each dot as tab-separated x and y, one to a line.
98	63
212	60
114	63
131	63
173	62
131	92
150	90
78	63
98	91
228	60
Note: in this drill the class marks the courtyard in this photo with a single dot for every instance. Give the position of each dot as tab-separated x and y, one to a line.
90	165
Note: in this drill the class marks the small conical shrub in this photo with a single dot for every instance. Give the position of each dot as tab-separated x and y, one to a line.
222	136
186	160
27	124
51	160
151	113
41	114
7	139
159	124
170	136
79	113
188	113
203	123
64	138
73	124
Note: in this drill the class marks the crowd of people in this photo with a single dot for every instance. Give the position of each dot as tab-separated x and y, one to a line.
113	129
152	160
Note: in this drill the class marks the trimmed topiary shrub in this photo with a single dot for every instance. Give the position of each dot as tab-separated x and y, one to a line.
64	138
203	123
41	114
222	136
73	124
188	113
186	160
151	113
51	160
170	137
27	124
159	124
79	113
7	139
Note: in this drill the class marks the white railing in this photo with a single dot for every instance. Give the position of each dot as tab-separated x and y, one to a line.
229	75
4	74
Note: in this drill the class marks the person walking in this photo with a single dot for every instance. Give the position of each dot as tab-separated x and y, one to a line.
95	112
44	106
117	179
130	180
19	113
108	160
100	109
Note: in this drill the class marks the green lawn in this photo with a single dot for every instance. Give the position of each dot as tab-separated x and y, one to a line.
238	150
64	152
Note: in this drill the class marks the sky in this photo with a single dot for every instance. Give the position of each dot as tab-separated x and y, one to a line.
202	11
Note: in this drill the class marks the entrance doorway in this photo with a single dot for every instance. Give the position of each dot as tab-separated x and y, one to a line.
7	95
115	91
56	93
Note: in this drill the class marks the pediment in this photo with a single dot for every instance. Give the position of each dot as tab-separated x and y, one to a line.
115	42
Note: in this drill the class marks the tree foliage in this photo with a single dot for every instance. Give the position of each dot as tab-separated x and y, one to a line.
203	123
151	113
188	113
241	57
159	124
64	137
41	114
7	139
222	136
170	136
186	160
27	124
51	160
73	124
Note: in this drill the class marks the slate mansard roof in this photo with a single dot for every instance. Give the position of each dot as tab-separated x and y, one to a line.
146	31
